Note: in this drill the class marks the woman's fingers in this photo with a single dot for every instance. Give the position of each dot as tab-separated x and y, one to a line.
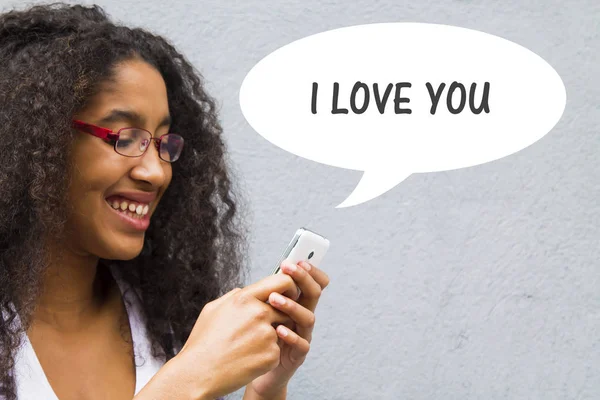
318	275
300	346
268	313
311	290
277	317
303	318
229	294
300	315
279	283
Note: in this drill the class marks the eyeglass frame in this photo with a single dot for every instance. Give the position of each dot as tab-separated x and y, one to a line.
108	134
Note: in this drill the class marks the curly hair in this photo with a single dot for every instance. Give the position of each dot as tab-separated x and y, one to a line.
53	59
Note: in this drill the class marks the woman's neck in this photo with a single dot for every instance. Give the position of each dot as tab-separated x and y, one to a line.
74	290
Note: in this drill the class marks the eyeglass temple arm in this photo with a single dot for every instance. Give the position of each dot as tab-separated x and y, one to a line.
97	131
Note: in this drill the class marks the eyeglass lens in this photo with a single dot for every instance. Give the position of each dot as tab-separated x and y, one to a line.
134	142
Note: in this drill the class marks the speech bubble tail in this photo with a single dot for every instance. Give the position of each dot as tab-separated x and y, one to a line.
372	184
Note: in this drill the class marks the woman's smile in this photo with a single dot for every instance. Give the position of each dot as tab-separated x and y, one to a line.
132	208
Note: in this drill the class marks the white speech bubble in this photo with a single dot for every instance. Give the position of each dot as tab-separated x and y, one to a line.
526	98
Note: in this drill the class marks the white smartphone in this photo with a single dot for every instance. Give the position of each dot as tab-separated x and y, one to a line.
305	246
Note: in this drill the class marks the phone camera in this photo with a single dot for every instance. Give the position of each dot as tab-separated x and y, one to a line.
312	253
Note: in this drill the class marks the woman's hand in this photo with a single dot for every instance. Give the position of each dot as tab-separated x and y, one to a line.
233	341
295	336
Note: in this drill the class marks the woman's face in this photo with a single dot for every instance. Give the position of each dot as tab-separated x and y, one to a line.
106	186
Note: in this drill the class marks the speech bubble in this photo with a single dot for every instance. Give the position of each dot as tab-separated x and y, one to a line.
395	99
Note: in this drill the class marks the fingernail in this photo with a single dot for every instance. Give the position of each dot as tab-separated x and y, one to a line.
290	267
305	265
277	299
282	331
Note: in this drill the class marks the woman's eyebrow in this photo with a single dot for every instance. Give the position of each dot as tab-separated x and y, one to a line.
119	115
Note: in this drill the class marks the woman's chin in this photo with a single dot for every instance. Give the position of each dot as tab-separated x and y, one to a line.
124	253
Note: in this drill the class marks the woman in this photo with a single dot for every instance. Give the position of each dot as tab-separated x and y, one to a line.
119	242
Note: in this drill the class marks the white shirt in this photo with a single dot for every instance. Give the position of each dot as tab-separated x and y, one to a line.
32	383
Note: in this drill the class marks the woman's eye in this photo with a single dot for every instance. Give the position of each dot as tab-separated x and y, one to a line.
124	142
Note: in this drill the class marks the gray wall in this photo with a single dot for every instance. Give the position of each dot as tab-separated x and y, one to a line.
479	283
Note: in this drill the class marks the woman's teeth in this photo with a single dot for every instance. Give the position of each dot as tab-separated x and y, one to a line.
132	209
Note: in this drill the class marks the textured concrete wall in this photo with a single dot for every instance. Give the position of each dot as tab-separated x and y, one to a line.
479	283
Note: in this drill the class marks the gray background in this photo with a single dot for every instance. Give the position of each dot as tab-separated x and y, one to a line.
479	283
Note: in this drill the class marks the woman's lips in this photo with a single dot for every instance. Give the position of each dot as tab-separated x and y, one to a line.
132	207
138	223
139	197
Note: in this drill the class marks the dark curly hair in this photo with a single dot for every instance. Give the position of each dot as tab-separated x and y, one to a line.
53	59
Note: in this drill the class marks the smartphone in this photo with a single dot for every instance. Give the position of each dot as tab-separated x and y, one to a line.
305	246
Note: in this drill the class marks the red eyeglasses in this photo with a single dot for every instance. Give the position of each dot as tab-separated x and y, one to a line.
133	142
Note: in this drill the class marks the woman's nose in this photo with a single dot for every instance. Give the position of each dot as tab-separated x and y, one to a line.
151	167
